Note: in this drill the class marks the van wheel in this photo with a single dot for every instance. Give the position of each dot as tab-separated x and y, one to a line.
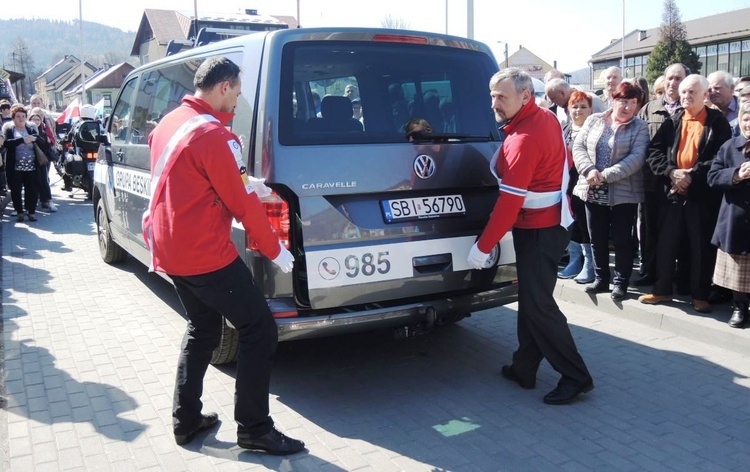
226	353
110	251
450	319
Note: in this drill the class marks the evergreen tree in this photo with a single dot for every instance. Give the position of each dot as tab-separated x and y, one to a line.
672	46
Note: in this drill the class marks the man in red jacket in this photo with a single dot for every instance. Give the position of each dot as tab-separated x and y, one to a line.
531	169
198	185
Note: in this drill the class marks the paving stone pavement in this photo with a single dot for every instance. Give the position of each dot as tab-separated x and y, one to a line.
90	352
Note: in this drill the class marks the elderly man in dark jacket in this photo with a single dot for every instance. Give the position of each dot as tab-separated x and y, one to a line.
680	155
730	173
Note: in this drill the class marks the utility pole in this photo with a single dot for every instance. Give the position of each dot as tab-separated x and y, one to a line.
446	16
83	63
195	30
15	70
470	19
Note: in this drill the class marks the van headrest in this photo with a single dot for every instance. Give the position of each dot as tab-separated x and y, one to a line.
335	107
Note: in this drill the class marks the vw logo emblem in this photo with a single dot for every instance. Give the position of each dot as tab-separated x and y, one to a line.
424	167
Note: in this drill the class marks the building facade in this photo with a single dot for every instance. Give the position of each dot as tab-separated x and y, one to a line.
722	42
161	30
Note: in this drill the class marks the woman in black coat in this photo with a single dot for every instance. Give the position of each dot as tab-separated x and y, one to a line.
730	172
22	168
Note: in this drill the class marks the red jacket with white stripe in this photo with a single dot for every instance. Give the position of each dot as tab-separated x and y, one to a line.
530	159
204	191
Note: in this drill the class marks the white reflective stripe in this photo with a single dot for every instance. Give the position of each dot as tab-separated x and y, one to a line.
161	164
534	200
519	192
566	215
537	200
167	153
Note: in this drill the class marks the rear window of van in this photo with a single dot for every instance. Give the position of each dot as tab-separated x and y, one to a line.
357	92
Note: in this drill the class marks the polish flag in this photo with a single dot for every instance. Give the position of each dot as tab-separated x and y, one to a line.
73	110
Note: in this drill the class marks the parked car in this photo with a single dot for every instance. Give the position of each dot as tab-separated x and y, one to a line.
380	226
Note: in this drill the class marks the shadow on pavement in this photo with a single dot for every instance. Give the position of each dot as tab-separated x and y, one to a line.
440	400
37	389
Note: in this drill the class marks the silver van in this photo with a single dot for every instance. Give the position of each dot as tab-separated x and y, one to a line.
380	223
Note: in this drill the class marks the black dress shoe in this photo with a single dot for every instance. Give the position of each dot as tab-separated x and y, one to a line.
207	422
566	393
739	316
644	280
619	292
274	442
510	374
599	286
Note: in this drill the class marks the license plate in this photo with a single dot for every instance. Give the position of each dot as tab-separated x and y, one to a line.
403	209
90	166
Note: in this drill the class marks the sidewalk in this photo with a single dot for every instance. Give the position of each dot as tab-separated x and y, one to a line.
676	317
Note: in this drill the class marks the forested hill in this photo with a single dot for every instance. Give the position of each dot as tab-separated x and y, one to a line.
48	41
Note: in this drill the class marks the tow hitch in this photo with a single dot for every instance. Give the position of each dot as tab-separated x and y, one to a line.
410	331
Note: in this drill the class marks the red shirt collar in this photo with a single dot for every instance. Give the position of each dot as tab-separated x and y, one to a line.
525	111
202	106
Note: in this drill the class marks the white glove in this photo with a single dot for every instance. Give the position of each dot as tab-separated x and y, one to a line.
285	260
477	258
259	187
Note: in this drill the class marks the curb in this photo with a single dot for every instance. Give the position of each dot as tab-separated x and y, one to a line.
676	317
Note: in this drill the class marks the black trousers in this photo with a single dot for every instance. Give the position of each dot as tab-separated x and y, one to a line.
45	193
695	223
26	183
543	331
649	233
579	232
229	292
621	219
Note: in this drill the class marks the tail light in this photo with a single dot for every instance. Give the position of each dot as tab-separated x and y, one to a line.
400	38
277	212
91	156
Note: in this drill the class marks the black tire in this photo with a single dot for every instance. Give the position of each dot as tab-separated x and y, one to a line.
110	251
226	353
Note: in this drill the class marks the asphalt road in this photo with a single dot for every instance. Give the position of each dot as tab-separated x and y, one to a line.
89	354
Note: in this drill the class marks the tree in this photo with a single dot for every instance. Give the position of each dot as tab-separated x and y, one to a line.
23	63
393	22
672	46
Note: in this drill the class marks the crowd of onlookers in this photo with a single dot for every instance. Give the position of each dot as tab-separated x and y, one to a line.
662	175
27	148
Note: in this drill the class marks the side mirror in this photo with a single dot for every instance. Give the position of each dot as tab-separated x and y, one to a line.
102	139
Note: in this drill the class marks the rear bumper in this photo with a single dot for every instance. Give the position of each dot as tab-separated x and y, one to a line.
393	317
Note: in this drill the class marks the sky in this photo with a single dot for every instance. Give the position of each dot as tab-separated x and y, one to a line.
568	32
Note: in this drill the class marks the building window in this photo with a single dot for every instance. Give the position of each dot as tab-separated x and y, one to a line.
711	59
723	63
745	64
734	58
701	52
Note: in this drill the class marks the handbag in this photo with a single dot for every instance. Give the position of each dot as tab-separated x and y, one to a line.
41	158
598	194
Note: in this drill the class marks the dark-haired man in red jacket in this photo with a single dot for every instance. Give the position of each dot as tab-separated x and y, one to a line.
199	183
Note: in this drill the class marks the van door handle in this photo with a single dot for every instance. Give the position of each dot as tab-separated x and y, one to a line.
120	154
432	264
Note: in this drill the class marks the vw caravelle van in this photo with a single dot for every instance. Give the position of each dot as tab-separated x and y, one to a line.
380	223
